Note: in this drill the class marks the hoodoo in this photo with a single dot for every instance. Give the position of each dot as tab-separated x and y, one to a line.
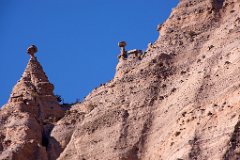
179	100
123	52
32	50
29	115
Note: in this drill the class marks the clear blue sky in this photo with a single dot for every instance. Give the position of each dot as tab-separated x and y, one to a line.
77	39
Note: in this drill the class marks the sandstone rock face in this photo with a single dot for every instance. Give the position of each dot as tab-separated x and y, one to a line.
36	92
180	100
28	116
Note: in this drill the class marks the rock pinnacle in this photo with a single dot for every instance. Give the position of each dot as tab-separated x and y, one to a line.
35	91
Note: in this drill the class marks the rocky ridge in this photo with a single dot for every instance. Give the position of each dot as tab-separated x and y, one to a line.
180	100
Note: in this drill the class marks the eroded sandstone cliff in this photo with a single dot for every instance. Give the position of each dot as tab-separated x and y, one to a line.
179	100
31	112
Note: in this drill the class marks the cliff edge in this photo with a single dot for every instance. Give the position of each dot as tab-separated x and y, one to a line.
178	100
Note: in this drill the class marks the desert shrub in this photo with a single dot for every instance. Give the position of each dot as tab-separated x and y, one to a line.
59	98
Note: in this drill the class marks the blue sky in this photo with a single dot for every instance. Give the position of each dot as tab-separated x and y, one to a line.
77	39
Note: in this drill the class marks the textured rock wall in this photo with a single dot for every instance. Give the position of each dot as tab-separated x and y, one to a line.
179	101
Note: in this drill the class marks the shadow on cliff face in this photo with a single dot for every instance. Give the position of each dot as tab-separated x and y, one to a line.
234	144
217	4
53	147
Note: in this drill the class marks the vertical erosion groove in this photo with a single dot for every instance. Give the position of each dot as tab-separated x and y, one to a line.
217	5
234	144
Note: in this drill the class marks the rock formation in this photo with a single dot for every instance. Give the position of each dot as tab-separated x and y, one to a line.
179	101
29	115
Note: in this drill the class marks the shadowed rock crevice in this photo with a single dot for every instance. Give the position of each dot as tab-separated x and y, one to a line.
144	135
217	5
195	149
53	147
233	152
185	86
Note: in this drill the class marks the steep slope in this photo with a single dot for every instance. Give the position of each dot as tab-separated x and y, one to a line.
179	100
28	116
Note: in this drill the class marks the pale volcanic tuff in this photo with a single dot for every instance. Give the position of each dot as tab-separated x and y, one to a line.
178	100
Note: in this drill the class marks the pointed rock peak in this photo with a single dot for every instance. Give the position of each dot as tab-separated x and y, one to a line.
33	81
34	73
35	90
